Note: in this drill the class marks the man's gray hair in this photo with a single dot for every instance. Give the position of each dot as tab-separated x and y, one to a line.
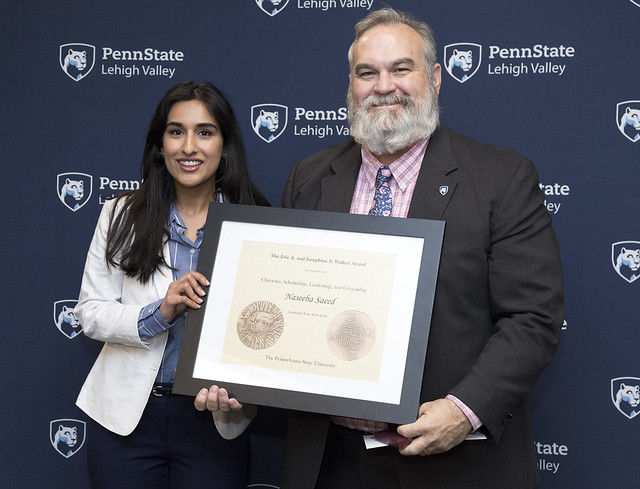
387	16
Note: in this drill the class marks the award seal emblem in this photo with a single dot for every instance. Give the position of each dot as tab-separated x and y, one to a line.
351	335
260	324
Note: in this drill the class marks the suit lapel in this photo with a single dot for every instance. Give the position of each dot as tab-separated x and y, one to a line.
337	189
437	179
438	170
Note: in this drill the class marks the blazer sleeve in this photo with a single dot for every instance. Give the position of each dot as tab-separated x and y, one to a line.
231	424
100	308
525	286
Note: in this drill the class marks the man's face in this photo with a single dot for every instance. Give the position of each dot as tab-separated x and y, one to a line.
392	102
389	60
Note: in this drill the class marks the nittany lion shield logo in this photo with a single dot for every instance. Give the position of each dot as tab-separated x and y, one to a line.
269	120
625	258
462	60
77	59
65	318
272	7
74	189
625	395
67	436
628	119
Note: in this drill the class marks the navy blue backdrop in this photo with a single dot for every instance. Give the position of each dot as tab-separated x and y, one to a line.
558	81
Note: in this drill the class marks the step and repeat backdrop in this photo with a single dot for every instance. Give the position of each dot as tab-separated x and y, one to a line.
558	81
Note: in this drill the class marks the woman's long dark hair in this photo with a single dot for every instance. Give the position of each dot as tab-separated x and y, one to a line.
138	228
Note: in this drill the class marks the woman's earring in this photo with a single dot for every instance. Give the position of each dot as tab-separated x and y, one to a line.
162	153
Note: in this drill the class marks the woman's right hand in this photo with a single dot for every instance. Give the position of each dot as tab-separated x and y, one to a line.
231	417
182	293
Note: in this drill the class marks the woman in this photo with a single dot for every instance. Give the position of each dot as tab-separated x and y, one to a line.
138	281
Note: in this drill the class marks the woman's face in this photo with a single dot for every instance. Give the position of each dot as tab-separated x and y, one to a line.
192	146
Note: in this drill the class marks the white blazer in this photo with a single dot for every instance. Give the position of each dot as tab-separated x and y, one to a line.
118	386
116	390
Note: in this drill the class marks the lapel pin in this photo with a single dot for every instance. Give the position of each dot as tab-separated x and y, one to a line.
444	189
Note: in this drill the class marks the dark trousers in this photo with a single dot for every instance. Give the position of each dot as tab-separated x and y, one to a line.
173	447
347	464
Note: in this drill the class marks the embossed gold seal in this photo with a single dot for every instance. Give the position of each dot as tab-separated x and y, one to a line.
351	335
260	324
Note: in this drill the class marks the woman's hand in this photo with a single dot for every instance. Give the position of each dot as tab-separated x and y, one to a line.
231	417
216	399
182	293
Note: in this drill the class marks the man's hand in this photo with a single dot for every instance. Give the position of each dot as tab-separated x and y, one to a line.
441	425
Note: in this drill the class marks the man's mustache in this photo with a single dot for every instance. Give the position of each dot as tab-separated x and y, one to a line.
381	100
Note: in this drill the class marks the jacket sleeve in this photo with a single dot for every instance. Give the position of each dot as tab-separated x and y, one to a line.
230	424
100	307
526	300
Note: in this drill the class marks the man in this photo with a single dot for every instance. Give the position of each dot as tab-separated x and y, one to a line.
498	304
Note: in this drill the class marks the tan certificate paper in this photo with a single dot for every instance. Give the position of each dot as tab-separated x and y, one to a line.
310	309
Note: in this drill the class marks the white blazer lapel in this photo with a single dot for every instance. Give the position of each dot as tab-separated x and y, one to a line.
164	276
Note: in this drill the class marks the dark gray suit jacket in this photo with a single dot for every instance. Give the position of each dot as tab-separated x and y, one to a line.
497	313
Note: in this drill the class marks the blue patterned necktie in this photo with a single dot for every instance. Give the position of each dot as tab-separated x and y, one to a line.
382	199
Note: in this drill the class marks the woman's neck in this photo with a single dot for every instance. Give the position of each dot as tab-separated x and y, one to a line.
193	201
193	209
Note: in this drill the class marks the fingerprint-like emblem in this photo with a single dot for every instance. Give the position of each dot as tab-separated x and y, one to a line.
351	335
260	324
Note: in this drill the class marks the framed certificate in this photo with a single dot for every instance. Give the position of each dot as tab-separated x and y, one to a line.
313	311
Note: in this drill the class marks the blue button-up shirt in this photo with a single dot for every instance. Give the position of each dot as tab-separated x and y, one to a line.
184	258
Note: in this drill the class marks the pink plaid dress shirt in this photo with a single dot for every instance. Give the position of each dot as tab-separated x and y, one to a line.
404	172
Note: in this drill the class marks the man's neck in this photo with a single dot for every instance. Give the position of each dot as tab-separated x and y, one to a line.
387	159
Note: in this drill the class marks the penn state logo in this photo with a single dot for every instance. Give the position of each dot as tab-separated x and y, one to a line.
65	318
67	436
462	60
77	59
628	119
625	258
443	189
272	7
625	395
74	189
269	120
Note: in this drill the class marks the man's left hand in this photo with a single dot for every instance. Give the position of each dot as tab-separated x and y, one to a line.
441	425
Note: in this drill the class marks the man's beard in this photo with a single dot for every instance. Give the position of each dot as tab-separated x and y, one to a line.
388	131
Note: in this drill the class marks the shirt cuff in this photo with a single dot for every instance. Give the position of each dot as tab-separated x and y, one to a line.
150	321
471	416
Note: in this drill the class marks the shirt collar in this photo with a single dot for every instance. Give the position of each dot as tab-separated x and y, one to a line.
403	170
175	219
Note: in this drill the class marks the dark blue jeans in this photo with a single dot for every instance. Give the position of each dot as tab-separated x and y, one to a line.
173	447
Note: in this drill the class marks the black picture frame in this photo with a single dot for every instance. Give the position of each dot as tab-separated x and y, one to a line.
430	231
